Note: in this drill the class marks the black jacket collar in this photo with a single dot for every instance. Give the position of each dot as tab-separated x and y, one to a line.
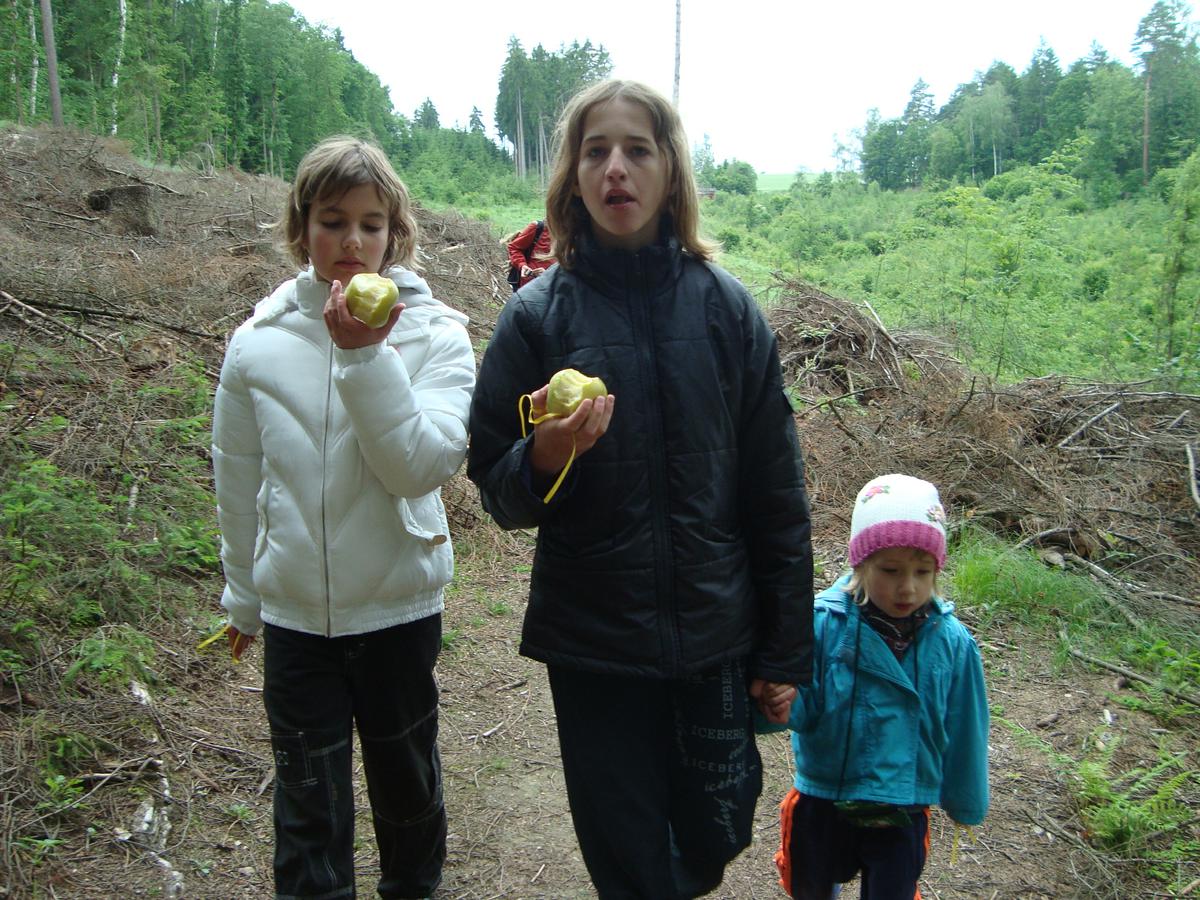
615	272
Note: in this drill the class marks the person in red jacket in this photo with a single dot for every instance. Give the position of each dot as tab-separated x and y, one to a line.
529	253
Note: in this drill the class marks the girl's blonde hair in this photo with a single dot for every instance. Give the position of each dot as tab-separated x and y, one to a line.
565	213
857	588
333	167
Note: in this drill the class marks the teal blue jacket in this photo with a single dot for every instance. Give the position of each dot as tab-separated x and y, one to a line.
907	734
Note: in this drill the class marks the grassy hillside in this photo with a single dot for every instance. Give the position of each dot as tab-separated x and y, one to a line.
779	181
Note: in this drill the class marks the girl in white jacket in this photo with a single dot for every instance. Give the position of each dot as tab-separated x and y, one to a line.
331	440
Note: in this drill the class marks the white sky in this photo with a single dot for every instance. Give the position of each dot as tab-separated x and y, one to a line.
771	82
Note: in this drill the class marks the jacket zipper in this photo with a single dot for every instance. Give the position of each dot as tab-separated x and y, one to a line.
668	608
324	457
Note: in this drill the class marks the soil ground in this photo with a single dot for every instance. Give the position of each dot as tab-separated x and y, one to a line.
180	806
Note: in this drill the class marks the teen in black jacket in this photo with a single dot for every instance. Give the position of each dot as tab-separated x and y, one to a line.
672	582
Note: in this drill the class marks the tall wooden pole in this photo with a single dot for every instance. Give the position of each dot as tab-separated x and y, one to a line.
678	16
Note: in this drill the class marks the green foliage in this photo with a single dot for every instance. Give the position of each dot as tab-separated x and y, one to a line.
1001	121
535	87
1142	812
1132	812
1095	280
1006	587
1012	274
735	177
37	850
116	654
62	793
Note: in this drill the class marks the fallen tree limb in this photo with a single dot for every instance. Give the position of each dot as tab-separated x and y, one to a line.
1128	673
128	317
1174	598
1191	455
9	298
1099	573
1082	428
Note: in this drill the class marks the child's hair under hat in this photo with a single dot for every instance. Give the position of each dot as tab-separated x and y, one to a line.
897	511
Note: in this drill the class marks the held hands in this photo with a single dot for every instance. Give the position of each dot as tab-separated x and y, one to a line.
555	438
348	332
774	699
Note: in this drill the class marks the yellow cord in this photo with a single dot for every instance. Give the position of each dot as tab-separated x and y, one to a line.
214	637
534	420
959	830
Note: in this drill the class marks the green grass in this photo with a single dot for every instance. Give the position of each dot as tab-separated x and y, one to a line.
779	181
1009	589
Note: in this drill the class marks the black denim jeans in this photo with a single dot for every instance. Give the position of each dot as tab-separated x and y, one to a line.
317	691
662	777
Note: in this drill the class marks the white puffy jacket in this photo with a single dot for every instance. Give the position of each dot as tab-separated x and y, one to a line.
328	463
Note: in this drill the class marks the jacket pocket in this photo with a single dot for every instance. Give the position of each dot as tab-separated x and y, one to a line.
263	505
293	762
425	519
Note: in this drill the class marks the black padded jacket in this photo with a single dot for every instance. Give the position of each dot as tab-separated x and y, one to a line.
681	540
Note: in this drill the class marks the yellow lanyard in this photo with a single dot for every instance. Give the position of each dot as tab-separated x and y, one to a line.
532	420
959	831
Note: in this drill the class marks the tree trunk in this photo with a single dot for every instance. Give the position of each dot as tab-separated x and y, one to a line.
116	78
157	109
1146	125
15	74
971	141
33	69
56	113
520	148
543	153
678	17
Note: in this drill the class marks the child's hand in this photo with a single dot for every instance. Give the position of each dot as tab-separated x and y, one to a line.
348	332
554	438
774	699
238	642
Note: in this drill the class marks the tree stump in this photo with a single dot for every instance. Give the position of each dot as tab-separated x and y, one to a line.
130	206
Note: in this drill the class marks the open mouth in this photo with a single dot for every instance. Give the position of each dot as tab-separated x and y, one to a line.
618	198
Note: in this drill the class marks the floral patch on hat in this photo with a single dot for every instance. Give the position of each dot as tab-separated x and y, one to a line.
875	491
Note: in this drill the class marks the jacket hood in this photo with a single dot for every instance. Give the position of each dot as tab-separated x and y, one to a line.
307	293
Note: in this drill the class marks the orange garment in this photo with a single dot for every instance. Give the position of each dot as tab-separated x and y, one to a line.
522	251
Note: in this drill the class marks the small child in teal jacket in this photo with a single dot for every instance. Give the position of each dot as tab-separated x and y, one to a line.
896	716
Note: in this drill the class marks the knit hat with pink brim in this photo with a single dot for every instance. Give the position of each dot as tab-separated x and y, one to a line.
897	511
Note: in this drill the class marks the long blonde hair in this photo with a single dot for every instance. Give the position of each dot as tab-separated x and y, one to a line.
331	168
565	213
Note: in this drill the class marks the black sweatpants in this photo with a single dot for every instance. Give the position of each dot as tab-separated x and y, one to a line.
827	850
662	777
316	690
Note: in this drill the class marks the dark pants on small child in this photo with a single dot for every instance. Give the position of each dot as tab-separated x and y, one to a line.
317	690
821	849
662	777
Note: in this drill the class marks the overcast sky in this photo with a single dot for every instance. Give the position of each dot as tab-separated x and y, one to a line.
772	82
